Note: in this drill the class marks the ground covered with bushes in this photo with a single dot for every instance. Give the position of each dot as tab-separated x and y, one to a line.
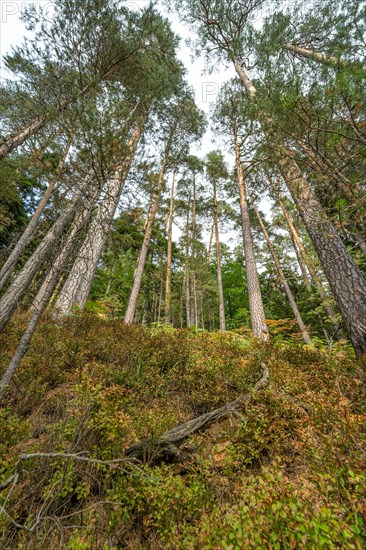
286	470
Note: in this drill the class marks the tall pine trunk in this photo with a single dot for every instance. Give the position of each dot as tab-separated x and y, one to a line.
168	280
43	253
346	280
77	287
282	277
137	279
218	262
256	307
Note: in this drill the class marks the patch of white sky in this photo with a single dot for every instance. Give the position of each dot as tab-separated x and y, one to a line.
205	85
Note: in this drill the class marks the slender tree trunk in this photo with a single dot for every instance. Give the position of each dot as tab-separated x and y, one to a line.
51	282
320	57
194	225
132	303
44	251
256	308
19	248
186	270
316	279
210	243
345	278
218	263
76	289
290	296
60	262
168	281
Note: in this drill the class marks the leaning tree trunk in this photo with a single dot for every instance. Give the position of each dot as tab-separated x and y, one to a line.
28	233
286	287
314	275
168	281
321	57
72	242
218	263
347	189
346	280
132	302
210	243
44	252
257	315
76	289
49	286
15	139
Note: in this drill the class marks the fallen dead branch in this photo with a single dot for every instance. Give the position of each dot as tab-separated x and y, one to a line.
169	441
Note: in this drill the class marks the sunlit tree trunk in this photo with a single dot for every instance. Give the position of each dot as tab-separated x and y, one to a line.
28	233
282	277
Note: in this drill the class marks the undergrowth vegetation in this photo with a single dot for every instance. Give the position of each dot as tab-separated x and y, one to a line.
285	471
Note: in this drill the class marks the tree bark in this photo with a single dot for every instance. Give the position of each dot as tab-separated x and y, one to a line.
168	280
49	286
28	233
132	302
44	251
210	243
15	139
320	57
300	323
72	240
218	262
186	270
345	278
76	289
314	275
257	315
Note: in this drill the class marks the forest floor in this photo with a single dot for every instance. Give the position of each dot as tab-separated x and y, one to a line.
285	470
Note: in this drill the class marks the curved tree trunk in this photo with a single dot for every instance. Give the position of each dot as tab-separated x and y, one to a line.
28	233
257	315
290	296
